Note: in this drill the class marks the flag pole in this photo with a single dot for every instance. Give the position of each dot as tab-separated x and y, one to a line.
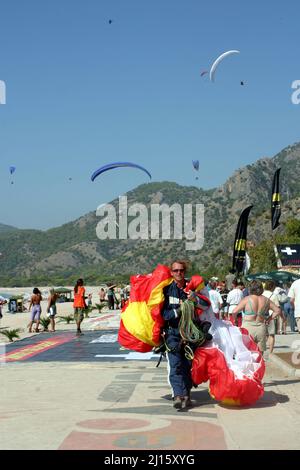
240	242
275	212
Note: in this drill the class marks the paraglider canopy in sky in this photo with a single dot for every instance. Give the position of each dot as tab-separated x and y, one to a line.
111	166
196	166
218	61
12	169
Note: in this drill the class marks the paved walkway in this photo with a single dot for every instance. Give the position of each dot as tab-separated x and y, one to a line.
62	391
286	353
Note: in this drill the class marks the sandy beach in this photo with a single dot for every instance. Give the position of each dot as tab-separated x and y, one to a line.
21	319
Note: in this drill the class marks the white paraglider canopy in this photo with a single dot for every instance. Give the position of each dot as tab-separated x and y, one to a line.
217	62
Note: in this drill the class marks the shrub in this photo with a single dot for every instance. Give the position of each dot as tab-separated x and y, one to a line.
45	322
101	306
66	318
88	310
11	334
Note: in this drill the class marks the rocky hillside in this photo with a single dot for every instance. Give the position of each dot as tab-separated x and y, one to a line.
73	250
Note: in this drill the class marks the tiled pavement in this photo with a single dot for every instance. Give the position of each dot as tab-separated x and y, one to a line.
60	391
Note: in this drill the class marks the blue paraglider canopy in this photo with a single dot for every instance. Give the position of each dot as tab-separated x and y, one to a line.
111	166
12	169
196	164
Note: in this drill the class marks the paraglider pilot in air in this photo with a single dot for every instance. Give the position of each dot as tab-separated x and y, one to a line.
178	364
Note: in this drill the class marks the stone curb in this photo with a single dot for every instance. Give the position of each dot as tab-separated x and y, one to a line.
284	366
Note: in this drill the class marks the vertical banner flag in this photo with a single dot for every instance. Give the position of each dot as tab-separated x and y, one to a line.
275	203
239	249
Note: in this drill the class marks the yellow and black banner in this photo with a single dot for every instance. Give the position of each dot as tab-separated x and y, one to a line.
240	241
275	202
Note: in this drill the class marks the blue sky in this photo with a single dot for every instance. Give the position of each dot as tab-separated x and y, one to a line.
82	93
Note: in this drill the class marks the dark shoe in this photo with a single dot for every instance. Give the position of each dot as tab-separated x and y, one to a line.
187	402
177	403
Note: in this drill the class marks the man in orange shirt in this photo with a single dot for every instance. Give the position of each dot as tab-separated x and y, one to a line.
79	304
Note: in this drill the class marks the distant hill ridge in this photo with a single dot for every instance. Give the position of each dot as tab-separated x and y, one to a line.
6	228
63	253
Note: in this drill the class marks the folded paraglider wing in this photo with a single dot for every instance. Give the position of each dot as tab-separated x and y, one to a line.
231	362
141	319
196	283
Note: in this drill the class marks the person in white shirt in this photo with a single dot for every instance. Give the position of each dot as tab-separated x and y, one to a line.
270	293
229	279
215	298
233	299
294	295
2	302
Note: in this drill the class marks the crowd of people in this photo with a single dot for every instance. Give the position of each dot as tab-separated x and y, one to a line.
225	297
227	300
111	295
263	309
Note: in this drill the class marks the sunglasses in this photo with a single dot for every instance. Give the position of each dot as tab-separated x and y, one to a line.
178	270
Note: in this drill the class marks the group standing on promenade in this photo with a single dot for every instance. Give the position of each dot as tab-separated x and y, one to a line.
81	303
227	301
261	309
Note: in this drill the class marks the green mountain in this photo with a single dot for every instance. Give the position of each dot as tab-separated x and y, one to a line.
6	228
62	254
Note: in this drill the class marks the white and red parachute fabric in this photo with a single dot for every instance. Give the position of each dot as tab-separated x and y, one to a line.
231	362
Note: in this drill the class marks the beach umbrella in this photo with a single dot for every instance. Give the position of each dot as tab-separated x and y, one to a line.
277	276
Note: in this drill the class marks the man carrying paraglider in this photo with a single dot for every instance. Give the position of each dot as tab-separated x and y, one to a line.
179	360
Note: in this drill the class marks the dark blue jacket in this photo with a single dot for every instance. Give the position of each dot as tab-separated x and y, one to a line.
173	294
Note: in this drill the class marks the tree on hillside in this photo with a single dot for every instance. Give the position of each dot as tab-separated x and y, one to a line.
292	230
263	257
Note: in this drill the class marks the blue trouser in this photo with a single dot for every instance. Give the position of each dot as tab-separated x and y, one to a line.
179	367
289	311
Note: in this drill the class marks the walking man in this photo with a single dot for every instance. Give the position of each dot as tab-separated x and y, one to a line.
294	295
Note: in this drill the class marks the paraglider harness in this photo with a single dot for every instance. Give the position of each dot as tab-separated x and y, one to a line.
193	332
